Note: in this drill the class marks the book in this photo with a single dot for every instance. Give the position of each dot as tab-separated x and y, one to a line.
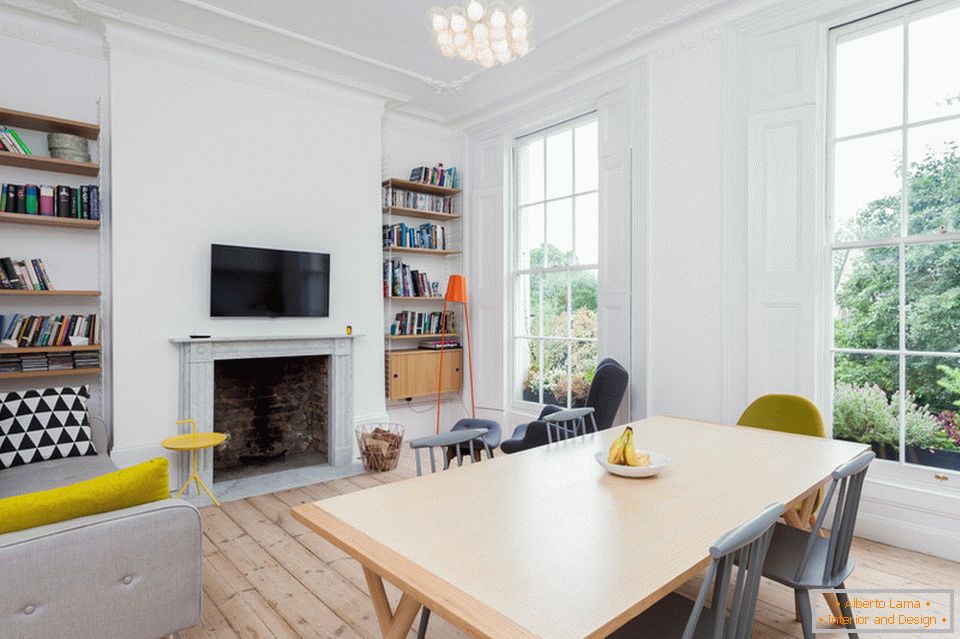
74	203
10	272
46	200
10	203
19	142
21	198
85	202
62	204
39	331
32	197
94	202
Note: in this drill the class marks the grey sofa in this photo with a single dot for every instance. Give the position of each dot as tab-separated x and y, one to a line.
128	574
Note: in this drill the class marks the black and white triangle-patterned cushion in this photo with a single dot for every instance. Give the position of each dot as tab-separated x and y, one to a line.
39	425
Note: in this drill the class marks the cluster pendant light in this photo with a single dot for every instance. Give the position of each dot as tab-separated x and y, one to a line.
486	34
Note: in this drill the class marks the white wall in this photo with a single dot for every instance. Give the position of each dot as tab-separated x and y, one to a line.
206	149
68	82
409	142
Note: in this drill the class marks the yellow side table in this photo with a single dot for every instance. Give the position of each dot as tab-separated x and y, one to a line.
194	442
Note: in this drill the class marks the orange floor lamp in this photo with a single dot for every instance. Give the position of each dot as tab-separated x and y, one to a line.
456	293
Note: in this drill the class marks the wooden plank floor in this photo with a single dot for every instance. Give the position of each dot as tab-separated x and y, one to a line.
265	575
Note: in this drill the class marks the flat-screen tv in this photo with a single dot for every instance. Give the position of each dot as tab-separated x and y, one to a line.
260	282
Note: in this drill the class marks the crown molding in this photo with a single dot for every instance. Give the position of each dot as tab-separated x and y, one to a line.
53	27
116	16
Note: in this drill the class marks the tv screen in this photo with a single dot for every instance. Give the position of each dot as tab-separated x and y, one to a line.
259	282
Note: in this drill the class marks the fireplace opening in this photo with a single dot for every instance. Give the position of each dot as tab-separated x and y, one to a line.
275	411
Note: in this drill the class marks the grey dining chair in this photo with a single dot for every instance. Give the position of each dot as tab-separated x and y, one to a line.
809	560
568	423
676	617
456	444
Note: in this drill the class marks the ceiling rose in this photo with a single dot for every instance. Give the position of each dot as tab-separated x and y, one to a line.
485	33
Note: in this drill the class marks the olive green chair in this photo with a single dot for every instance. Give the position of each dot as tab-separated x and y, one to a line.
789	414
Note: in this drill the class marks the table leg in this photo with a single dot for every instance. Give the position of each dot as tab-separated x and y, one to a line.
393	624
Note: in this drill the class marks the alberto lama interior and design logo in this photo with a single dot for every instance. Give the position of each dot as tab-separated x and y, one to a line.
878	611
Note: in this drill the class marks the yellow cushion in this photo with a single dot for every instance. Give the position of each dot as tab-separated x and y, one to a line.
785	413
138	484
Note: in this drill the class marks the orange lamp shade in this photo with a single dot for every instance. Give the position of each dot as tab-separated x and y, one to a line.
457	289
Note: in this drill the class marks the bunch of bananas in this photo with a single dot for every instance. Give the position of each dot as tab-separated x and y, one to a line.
622	452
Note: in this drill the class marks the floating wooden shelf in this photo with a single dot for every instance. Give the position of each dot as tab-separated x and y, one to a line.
51	349
49	164
32	374
403	249
49	123
413	298
427	215
6	291
432	189
43	220
426	336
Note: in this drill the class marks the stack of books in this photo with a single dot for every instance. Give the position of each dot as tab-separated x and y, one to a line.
64	361
31	362
9	362
24	275
40	331
419	323
419	201
86	359
425	236
82	203
34	362
11	142
436	175
399	280
437	344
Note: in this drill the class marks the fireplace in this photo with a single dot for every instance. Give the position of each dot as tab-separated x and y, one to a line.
202	359
274	410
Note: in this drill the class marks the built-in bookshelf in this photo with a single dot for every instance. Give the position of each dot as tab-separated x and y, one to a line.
411	371
64	359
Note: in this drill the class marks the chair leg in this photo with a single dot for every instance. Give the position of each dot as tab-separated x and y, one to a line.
801	600
845	609
424	620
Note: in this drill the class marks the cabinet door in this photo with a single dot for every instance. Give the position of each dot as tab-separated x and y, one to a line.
414	373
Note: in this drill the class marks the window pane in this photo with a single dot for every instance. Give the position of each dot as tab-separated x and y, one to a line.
584	365
555	317
526	360
869	83
934	72
932	427
530	252
865	402
527	305
560	233
583	292
530	171
933	297
866	188
934	170
555	378
587	237
866	298
560	164
588	157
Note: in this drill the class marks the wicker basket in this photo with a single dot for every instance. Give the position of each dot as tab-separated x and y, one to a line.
380	446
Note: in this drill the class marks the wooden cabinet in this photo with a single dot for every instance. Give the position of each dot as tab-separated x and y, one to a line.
413	373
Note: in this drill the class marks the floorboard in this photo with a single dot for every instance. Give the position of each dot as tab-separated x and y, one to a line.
266	576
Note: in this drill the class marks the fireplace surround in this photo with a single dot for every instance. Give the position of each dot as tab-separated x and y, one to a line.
197	384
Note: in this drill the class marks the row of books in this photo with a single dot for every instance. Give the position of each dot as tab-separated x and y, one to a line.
420	201
425	236
11	142
14	363
24	275
82	203
399	280
422	323
23	331
436	175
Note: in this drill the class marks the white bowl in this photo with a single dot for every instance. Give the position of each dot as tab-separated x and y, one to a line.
657	463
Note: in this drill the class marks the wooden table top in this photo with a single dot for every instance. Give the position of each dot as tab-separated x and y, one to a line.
545	543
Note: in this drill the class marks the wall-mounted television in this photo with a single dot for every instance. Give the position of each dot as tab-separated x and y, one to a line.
261	282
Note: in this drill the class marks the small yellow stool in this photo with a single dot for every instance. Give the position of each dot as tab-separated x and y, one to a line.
193	442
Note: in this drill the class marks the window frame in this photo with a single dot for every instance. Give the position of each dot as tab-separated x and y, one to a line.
514	273
903	15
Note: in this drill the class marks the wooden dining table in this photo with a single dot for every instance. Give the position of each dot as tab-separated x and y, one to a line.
545	543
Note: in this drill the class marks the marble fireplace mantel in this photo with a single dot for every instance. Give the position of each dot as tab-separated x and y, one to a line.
197	357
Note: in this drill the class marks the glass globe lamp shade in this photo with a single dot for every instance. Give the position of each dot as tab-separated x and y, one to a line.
461	40
458	21
468	53
445	39
437	20
499	45
519	16
447	51
498	19
504	57
521	47
518	33
475	11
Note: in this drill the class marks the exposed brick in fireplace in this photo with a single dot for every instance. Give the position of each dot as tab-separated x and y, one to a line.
273	408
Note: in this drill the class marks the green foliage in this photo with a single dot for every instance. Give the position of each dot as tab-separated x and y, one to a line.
950	381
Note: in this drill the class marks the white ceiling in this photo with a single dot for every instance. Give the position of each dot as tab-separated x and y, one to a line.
384	45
